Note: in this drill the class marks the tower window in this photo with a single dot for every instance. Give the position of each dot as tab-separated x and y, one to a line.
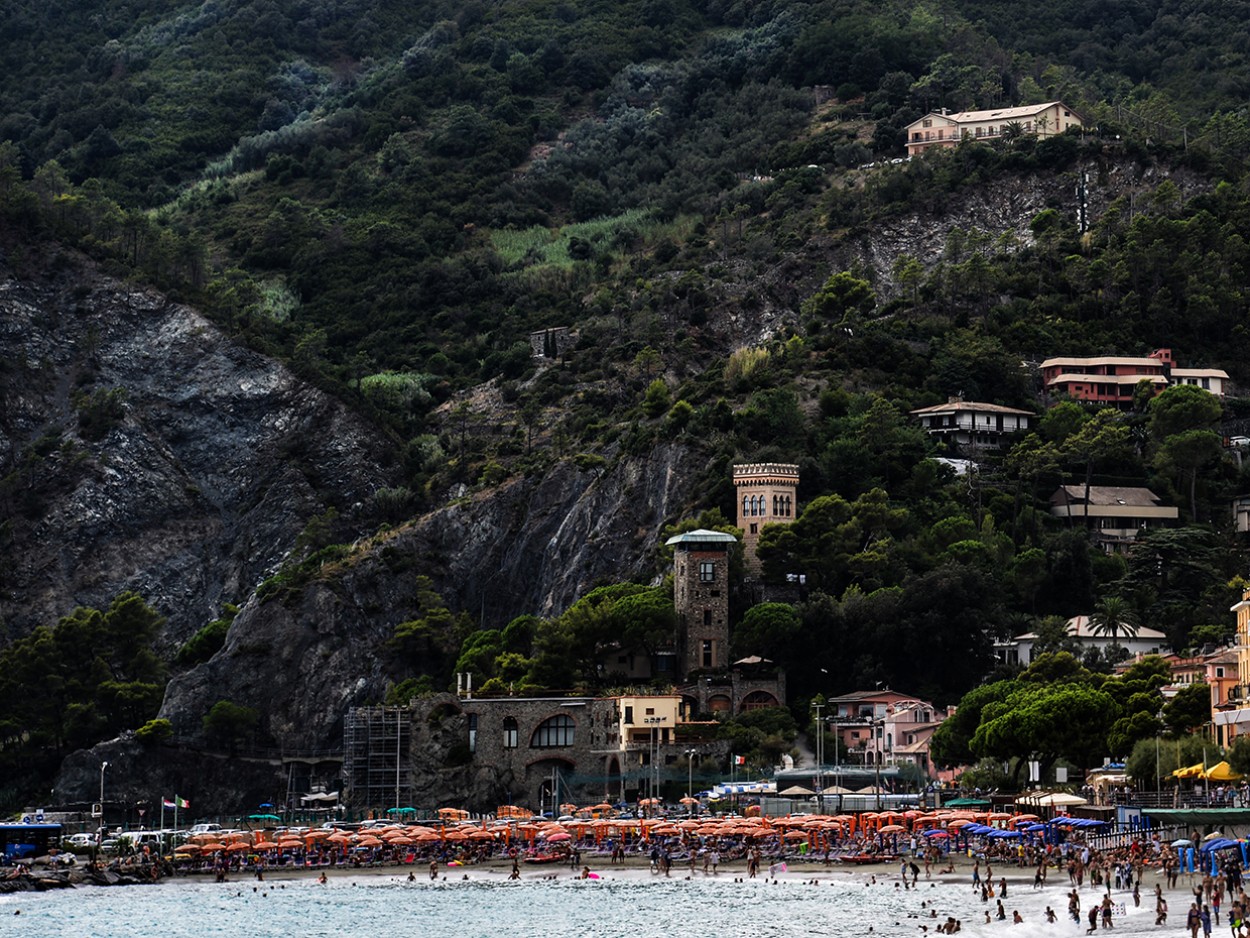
509	732
707	653
707	616
707	571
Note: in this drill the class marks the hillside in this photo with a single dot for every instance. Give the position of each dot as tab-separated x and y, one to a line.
272	268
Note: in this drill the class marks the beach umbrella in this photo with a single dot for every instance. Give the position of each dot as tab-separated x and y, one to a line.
893	829
557	837
212	847
238	847
935	832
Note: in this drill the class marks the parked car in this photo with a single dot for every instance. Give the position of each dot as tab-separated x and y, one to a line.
79	842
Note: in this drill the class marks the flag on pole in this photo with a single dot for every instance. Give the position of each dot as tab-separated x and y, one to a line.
166	803
740	760
181	802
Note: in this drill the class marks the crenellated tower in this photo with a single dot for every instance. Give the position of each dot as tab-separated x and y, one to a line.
767	494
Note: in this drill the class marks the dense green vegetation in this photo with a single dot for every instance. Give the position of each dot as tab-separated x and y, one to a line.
63	687
391	197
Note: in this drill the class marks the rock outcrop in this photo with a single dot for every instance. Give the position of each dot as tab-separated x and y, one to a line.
142	449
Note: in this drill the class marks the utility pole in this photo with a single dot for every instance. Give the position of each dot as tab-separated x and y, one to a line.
820	755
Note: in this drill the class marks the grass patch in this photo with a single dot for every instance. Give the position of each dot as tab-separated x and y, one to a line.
545	247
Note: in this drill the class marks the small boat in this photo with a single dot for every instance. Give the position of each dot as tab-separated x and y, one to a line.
546	858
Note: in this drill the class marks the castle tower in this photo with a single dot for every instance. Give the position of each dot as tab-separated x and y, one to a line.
767	494
701	598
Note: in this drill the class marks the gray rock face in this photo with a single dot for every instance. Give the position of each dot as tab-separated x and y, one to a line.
532	545
218	460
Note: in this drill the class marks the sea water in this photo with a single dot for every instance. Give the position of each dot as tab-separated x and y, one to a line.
631	905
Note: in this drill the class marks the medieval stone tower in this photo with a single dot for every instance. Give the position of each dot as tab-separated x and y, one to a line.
767	494
701	599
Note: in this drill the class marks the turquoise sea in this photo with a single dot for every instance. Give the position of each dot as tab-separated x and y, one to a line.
632	905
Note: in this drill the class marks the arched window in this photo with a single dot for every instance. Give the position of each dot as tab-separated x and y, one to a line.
746	505
757	700
509	732
553	732
758	505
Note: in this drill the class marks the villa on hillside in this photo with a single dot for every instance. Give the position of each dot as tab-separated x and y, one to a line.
1142	641
942	129
1116	513
1112	379
972	424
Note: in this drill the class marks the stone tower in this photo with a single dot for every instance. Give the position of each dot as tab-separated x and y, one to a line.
767	494
701	599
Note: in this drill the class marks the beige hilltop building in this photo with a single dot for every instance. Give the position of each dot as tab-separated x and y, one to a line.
942	129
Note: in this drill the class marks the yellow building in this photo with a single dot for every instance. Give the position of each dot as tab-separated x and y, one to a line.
1233	718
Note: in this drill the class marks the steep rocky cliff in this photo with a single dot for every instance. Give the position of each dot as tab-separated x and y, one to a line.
303	657
142	449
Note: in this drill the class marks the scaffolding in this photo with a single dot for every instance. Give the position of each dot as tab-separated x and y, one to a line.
377	772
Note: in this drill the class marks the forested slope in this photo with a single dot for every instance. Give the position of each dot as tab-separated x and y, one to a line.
390	197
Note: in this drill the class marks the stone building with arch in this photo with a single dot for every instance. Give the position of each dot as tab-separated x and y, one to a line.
541	752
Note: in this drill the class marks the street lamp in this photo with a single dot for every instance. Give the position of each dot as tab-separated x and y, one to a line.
690	754
103	766
878	732
820	753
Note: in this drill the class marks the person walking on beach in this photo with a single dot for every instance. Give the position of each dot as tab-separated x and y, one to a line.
1193	920
433	869
1106	911
1093	920
1205	918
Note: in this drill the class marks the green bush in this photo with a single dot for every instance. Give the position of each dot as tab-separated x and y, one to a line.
154	731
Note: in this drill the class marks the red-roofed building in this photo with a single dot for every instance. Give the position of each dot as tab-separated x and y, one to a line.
1113	379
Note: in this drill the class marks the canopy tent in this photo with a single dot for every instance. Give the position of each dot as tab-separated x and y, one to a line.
1221	772
1200	817
1220	843
1189	771
743	788
796	791
319	796
1051	799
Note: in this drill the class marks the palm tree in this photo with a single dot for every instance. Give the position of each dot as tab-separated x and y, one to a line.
1112	616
